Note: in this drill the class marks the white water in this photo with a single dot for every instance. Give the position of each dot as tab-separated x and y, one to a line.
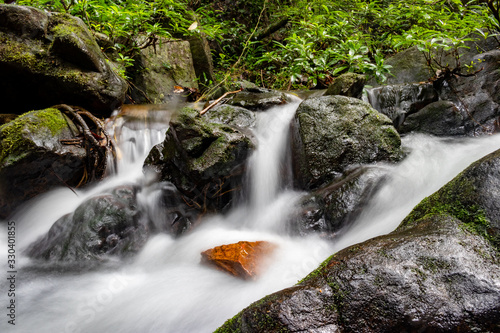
164	288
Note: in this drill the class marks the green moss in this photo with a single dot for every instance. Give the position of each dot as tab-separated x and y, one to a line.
455	199
318	271
14	140
21	54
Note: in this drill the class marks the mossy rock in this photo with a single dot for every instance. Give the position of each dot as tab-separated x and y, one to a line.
205	160
332	134
438	271
348	84
32	159
52	58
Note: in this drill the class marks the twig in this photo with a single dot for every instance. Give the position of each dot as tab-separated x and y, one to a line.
202	112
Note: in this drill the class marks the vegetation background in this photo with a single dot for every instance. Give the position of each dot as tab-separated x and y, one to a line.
285	44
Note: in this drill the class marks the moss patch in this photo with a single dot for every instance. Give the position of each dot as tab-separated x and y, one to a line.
455	199
14	136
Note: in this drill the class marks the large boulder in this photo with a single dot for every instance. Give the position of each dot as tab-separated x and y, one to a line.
333	134
439	271
333	139
348	84
106	224
33	160
52	58
114	223
161	67
205	160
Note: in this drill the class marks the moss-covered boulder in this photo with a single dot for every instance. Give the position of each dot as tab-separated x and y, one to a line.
204	160
161	67
348	84
259	99
33	160
332	134
231	115
52	58
439	271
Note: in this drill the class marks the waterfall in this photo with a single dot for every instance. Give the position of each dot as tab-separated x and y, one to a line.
164	288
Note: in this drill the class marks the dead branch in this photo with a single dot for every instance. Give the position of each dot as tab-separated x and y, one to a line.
202	112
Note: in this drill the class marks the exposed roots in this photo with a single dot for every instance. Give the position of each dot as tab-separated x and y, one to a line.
98	145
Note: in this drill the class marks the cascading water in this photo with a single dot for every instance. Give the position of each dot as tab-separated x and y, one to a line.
164	288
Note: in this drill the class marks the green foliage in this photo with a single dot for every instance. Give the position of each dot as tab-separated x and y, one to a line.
318	41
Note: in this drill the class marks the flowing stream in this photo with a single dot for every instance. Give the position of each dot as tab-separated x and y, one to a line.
164	288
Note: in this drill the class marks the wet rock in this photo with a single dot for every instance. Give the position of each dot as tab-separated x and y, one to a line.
438	271
161	67
348	84
478	97
331	207
399	101
204	160
33	160
52	58
107	224
231	115
259	99
442	118
243	259
332	134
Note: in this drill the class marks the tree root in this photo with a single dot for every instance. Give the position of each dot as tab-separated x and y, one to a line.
97	143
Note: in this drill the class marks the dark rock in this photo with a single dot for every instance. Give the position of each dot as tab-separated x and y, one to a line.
333	134
108	224
338	203
52	58
477	97
348	84
231	115
261	100
434	277
204	160
441	118
438	271
399	101
33	160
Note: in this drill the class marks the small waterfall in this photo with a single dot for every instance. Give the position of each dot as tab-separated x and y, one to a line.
164	288
268	168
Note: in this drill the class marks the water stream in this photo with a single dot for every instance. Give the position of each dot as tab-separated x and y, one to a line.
164	288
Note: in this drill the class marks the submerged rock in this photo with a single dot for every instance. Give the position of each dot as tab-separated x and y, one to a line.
52	58
333	134
33	160
204	160
438	271
243	259
108	224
